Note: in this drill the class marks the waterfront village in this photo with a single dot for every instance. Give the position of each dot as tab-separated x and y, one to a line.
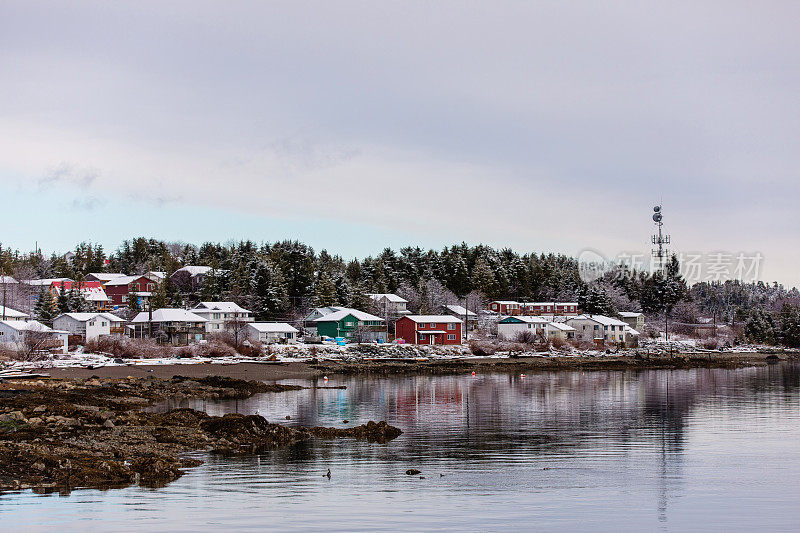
120	308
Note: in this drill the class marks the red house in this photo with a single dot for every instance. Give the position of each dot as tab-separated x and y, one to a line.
506	307
429	329
120	290
551	308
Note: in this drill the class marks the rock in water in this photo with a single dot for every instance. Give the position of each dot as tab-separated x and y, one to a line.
412	472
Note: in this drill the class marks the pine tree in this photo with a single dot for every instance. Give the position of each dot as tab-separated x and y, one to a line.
63	302
133	304
159	298
325	294
45	308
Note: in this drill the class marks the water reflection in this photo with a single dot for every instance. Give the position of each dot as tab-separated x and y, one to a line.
607	450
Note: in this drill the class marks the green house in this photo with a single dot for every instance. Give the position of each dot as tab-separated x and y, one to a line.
353	325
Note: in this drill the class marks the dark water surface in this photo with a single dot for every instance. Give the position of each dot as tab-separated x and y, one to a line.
711	450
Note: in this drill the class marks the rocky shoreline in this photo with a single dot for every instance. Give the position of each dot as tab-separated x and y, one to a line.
57	434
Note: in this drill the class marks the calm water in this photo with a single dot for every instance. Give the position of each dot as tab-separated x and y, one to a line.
711	450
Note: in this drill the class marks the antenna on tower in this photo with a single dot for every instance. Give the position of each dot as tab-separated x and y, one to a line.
659	239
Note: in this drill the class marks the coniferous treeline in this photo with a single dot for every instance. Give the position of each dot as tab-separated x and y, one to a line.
281	280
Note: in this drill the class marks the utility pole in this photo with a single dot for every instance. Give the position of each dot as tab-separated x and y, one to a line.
661	240
466	318
3	279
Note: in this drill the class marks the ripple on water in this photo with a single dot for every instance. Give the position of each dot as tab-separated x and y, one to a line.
590	450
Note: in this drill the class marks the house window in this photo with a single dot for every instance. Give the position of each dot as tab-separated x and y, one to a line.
451	337
596	327
451	326
433	325
529	326
349	324
103	324
150	287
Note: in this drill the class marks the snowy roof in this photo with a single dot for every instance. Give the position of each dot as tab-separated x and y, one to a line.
156	274
632	331
273	327
91	291
8	280
8	312
168	315
225	307
359	315
560	326
600	319
505	302
193	270
390	297
434	318
106	276
629	314
525	319
459	310
33	325
44	281
551	303
85	317
127	280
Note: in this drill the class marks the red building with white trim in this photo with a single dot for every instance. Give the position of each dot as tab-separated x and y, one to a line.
429	329
120	290
506	307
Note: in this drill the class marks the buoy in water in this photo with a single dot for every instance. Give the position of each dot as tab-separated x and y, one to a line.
473	372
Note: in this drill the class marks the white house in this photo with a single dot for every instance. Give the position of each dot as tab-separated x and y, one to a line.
90	326
459	312
559	330
218	314
16	332
269	332
169	326
598	328
634	319
512	326
6	313
390	304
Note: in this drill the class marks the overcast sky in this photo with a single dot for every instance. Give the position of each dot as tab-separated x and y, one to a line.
543	126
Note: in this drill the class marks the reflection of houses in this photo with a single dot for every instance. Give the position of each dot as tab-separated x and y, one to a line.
633	319
390	304
34	335
270	332
122	290
598	328
220	314
90	291
169	326
352	324
89	326
429	329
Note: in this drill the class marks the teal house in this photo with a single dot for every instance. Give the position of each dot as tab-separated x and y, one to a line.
353	325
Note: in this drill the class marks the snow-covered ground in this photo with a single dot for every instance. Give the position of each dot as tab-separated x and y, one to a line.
303	352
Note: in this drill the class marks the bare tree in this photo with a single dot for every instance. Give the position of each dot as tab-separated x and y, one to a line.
35	343
237	327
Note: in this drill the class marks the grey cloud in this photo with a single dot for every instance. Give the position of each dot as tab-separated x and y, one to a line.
67	174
